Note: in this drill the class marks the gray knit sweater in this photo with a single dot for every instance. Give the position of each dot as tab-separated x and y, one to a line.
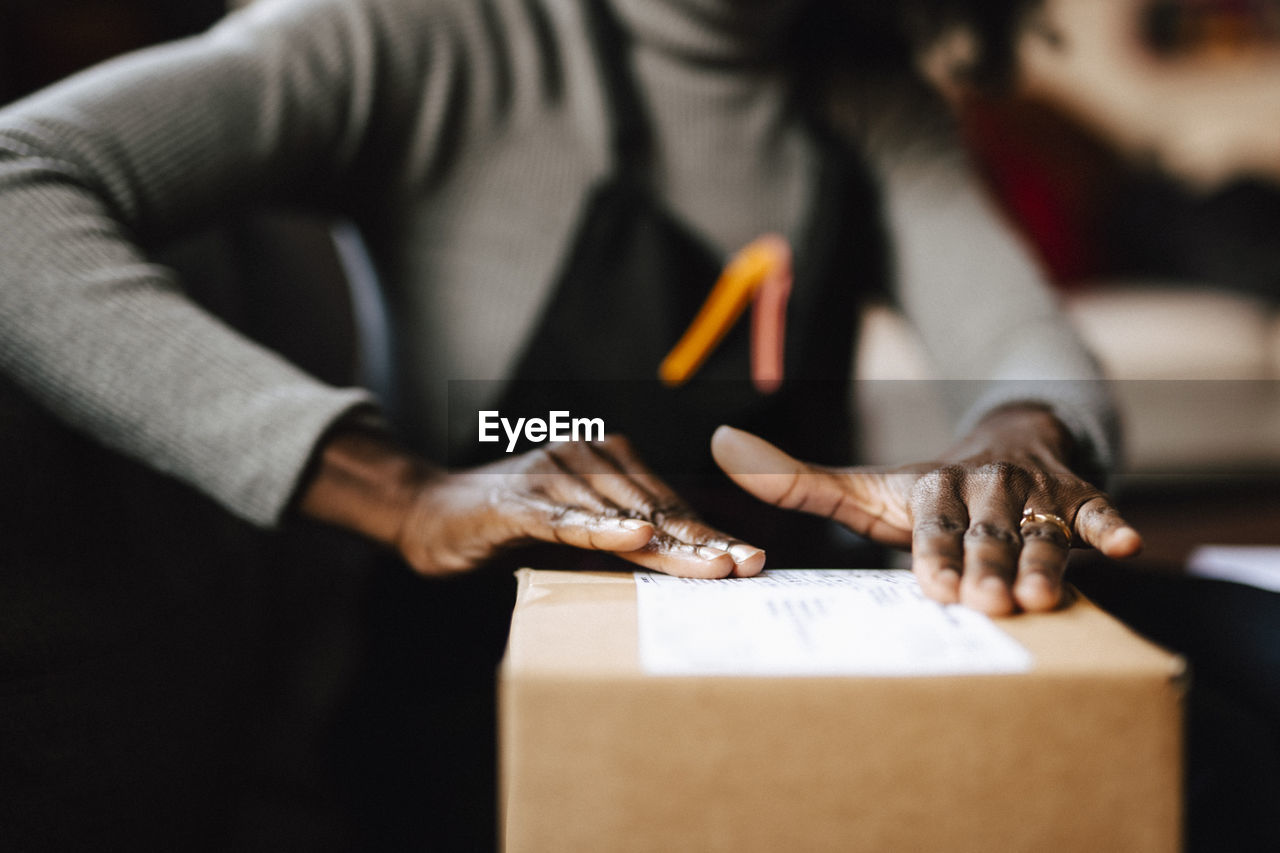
463	135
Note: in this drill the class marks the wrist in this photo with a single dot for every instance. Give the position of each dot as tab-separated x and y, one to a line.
1019	429
365	482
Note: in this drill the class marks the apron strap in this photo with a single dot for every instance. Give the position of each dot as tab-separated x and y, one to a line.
630	136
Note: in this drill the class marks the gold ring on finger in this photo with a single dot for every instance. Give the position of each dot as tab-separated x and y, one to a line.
1030	516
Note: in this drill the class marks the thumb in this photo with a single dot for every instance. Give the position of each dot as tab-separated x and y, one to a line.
760	468
856	499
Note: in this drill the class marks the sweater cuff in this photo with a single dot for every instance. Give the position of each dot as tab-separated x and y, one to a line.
262	490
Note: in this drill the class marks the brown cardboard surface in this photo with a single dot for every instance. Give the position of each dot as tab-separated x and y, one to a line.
1083	752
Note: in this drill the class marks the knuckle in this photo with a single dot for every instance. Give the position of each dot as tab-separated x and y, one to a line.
1003	473
941	485
1096	516
1043	533
1042	482
559	515
947	477
536	493
940	525
985	531
935	527
1105	511
675	517
662	542
637	506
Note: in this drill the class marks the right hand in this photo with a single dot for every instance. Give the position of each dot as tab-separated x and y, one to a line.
597	496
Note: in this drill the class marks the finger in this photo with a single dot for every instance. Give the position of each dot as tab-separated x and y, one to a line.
535	518
1099	524
1041	566
568	510
573	489
990	559
611	494
937	536
748	559
762	469
629	484
996	494
672	557
857	499
992	545
937	557
639	486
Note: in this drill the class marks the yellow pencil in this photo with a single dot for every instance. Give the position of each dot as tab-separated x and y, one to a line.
741	277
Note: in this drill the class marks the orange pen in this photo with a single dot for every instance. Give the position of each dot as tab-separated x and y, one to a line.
760	270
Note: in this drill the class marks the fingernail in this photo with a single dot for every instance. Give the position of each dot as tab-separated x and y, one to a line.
1124	538
948	578
1035	585
706	552
993	585
742	553
1032	577
633	523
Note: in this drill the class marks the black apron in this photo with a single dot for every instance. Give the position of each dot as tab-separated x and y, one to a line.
631	284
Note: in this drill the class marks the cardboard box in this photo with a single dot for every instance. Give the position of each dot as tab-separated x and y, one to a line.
1081	752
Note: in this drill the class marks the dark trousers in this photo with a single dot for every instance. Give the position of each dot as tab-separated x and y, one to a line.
169	677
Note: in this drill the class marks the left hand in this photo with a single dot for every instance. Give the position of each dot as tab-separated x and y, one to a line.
962	515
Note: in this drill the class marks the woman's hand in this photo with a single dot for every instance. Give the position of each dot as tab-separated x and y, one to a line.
963	515
597	496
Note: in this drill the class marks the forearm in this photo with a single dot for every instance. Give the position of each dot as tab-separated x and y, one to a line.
124	357
122	157
994	332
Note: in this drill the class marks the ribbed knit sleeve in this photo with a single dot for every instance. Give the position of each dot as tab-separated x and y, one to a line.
273	105
971	285
986	313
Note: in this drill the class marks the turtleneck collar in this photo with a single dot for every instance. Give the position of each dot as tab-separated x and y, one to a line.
712	32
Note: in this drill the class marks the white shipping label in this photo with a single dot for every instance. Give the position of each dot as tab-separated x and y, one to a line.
814	622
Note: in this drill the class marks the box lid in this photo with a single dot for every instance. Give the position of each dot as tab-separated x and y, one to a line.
585	623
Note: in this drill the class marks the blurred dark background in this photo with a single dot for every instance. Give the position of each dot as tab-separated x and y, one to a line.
44	40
